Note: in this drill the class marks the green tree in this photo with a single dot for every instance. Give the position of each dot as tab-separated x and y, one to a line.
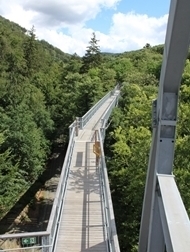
3	47
11	178
30	51
92	57
122	67
89	91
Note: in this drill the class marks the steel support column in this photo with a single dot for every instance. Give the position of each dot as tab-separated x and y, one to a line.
162	150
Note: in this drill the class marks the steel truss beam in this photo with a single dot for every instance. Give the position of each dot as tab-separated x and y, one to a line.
174	218
165	117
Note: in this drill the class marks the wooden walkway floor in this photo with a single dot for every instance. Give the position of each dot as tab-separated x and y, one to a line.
82	221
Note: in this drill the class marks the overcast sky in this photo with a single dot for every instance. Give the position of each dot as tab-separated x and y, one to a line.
120	25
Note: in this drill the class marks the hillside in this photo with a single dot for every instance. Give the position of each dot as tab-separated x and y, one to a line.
43	89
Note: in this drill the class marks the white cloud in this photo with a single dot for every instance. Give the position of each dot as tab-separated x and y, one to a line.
131	31
56	12
128	31
66	43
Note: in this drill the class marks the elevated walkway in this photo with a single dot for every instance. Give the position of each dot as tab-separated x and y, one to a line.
82	217
82	223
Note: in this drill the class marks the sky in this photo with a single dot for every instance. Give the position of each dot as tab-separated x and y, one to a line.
119	25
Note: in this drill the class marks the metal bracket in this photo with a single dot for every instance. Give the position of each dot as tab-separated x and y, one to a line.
154	114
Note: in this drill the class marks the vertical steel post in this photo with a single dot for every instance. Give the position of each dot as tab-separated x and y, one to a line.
77	126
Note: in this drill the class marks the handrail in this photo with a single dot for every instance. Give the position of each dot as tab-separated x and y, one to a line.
48	236
108	207
28	234
61	189
19	237
86	117
32	249
108	111
109	217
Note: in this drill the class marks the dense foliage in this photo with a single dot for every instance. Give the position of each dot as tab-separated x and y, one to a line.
42	90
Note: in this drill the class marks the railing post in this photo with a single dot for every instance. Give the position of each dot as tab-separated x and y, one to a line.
102	122
46	242
80	122
77	126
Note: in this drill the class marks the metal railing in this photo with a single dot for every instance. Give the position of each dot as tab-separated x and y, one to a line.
86	117
21	241
107	113
111	232
61	189
109	218
44	241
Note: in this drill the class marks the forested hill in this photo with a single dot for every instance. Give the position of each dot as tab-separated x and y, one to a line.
42	90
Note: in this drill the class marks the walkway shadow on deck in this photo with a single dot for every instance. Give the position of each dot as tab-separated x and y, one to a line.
86	179
87	234
100	247
39	222
84	175
82	179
